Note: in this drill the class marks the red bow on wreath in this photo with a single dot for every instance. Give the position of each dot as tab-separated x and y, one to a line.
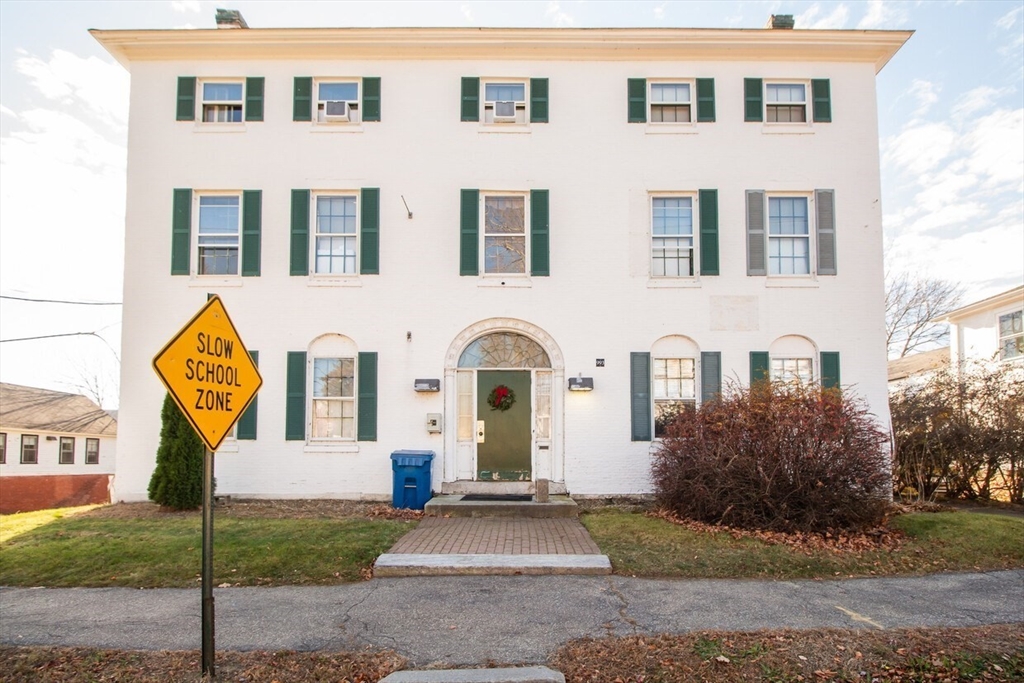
501	398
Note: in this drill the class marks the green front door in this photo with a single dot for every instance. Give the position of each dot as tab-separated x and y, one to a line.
504	453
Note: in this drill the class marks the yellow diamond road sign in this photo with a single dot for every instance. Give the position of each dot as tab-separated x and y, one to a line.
209	373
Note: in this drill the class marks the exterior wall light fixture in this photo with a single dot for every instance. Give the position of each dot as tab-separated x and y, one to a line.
581	383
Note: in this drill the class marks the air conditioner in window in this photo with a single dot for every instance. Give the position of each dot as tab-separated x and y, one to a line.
504	111
336	110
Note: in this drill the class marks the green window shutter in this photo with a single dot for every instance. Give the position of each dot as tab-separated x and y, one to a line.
538	100
829	369
369	231
251	226
254	98
470	98
640	395
181	232
295	398
246	429
710	375
540	258
758	366
821	93
756	258
366	411
469	233
705	100
708	231
825	227
300	233
636	89
186	98
302	99
371	98
753	108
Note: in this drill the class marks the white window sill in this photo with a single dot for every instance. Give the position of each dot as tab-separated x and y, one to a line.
787	129
507	282
798	281
323	127
215	281
331	447
673	283
671	129
203	127
320	281
229	445
504	128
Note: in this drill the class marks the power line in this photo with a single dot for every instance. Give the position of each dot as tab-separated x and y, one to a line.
51	336
61	301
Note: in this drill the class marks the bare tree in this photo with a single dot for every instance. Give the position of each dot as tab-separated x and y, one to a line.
911	303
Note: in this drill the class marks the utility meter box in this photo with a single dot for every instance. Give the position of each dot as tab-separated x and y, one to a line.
433	423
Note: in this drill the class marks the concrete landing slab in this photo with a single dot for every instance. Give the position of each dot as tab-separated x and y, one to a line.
433	564
529	674
455	506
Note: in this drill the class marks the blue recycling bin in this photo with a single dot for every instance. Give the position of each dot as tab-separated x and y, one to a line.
411	478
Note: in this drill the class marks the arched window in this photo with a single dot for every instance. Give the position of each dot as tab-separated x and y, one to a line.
792	359
504	350
332	368
674	378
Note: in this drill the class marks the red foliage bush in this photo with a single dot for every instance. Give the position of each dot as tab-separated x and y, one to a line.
779	457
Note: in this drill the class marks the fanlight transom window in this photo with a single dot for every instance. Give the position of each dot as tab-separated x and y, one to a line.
504	350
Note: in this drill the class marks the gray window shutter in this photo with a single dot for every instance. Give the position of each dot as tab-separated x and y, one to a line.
254	98
181	231
369	231
246	429
710	375
753	106
371	98
295	399
251	226
470	98
300	233
538	100
759	366
302	99
366	411
829	369
825	226
640	395
636	89
540	257
708	232
756	237
469	233
821	93
186	98
705	100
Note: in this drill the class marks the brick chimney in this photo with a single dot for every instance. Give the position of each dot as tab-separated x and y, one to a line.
230	18
780	21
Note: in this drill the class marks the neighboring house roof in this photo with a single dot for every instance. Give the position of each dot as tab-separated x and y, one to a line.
918	363
1009	296
42	410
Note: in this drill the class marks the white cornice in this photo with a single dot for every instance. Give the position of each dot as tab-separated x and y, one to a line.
1011	296
654	44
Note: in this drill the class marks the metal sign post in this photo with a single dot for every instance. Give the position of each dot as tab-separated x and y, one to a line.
207	577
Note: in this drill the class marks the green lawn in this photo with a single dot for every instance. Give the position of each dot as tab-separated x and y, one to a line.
17	524
958	541
167	552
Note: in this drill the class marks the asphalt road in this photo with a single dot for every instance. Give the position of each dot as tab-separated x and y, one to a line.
460	621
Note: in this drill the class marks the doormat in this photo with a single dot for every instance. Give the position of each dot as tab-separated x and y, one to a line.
511	497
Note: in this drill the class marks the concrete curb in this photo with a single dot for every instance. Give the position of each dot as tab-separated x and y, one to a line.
410	564
529	674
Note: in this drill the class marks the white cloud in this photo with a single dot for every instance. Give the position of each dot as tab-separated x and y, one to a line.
71	81
560	18
920	147
1008	20
186	6
883	14
659	11
977	99
995	147
926	93
836	19
467	11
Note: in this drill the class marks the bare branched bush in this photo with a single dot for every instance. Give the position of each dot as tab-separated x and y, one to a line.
780	457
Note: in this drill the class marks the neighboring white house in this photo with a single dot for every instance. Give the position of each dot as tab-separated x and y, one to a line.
988	330
408	224
56	449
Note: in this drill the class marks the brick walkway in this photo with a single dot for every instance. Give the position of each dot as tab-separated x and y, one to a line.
497	536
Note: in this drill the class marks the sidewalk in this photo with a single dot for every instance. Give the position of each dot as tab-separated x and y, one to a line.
469	620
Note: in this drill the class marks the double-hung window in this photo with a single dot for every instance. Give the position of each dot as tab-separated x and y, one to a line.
797	370
92	451
334	407
670	103
505	102
675	390
29	449
222	101
3	448
785	102
335	241
218	234
67	450
672	236
505	234
789	249
337	101
1011	335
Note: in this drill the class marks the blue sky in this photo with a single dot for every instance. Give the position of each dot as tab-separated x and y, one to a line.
951	125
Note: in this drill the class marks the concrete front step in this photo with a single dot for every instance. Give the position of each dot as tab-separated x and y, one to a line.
436	564
529	674
455	506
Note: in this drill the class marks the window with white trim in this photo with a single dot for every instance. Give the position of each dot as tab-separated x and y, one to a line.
789	236
785	102
218	233
222	101
29	449
675	390
92	451
671	102
337	101
798	370
1011	335
335	235
334	409
505	102
67	450
3	448
505	234
672	236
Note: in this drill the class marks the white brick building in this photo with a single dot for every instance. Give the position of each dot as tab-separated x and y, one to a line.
656	210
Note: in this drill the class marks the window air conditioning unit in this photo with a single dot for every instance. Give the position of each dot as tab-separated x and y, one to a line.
336	110
504	111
